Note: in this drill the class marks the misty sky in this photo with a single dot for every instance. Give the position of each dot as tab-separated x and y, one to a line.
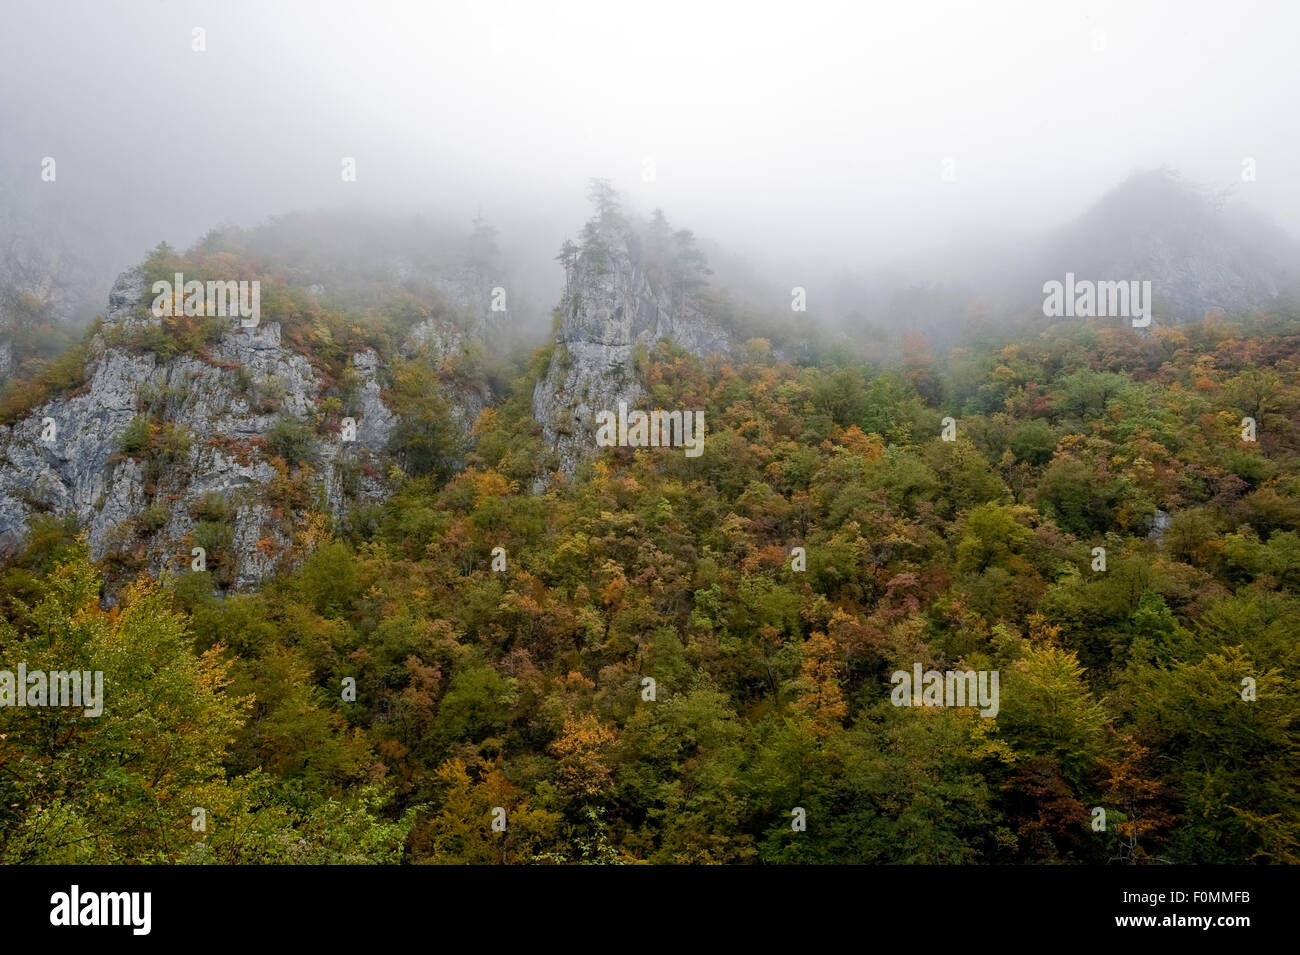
794	133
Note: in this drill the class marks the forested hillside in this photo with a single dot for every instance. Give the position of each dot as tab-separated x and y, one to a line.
379	699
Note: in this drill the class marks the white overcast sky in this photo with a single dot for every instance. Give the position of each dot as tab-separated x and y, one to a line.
812	131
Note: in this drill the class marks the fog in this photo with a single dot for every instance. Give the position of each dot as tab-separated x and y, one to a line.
810	139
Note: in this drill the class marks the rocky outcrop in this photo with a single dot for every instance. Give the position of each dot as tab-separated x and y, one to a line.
610	307
209	474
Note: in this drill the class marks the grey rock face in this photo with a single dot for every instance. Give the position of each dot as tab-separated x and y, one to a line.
1159	524
608	309
375	426
57	459
217	485
472	291
437	338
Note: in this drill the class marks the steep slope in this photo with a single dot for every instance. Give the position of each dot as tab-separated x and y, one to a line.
1199	252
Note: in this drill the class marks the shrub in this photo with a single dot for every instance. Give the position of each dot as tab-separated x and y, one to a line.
213	506
135	440
290	439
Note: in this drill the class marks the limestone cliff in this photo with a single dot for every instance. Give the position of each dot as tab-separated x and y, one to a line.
229	450
624	287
